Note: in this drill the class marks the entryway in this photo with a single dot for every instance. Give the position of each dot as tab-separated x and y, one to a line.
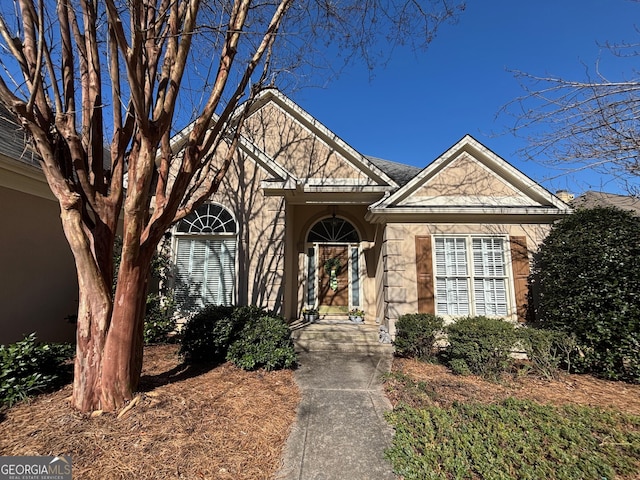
333	268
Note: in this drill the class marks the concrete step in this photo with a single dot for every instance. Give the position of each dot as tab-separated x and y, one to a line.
337	336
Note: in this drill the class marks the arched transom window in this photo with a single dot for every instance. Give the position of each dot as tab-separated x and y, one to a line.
205	258
333	230
210	218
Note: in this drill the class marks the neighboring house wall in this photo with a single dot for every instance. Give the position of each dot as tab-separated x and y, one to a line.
38	286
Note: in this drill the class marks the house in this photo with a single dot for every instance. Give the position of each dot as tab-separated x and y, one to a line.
591	199
304	220
38	285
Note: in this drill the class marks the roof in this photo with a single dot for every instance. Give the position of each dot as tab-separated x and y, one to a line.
591	199
13	141
399	172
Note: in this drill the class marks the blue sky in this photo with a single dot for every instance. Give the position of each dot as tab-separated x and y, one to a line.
424	102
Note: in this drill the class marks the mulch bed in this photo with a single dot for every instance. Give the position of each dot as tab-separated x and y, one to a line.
221	423
567	389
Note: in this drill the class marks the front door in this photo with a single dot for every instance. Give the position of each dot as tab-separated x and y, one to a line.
333	276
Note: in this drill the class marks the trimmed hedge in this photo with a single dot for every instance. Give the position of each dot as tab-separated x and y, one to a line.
480	345
207	335
250	337
416	335
264	342
547	350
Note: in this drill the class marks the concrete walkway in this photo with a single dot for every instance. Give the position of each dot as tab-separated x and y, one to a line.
340	432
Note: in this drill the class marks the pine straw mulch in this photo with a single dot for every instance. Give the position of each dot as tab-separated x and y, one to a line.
446	388
221	423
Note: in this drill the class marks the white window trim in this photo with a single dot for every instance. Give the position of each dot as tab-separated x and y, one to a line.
508	275
177	235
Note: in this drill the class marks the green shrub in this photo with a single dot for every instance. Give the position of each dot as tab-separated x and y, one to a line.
264	342
588	278
207	335
459	366
247	336
547	350
483	344
28	367
514	439
416	335
159	320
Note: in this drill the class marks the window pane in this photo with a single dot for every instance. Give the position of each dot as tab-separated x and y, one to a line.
452	290
491	296
355	277
452	296
205	272
311	276
489	270
451	257
455	278
488	257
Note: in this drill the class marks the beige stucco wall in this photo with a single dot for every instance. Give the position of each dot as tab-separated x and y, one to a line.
466	176
38	286
296	148
399	259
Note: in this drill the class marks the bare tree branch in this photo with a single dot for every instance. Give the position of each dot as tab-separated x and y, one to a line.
582	124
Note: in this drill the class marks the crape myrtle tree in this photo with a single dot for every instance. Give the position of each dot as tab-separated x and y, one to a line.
101	86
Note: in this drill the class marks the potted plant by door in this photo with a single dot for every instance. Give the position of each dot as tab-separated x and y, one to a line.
356	315
310	314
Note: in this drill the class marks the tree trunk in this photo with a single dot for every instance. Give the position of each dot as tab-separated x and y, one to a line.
94	311
122	361
109	333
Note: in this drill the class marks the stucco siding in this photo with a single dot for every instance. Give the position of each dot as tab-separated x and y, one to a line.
38	285
261	235
296	148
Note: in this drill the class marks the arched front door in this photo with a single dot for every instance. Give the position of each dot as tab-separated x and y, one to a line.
333	266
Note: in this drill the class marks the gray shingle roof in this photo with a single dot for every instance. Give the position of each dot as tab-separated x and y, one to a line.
13	140
590	199
399	172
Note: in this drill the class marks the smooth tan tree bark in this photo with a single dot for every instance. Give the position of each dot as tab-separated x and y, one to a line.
96	84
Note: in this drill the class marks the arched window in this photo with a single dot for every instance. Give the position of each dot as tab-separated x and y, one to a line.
209	218
333	230
205	258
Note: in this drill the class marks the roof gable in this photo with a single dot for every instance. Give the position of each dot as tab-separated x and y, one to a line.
468	177
301	145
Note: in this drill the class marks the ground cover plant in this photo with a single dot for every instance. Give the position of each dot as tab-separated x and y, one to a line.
526	427
187	421
514	439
